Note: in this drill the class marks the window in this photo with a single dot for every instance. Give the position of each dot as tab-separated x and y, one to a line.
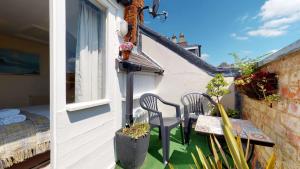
85	54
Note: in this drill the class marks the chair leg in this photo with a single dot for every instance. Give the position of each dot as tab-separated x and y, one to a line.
182	135
167	131
164	142
186	128
159	133
189	129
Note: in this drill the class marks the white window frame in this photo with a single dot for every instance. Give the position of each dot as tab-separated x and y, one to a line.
102	5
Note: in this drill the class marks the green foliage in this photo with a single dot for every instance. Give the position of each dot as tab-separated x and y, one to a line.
137	130
232	113
272	98
234	145
246	65
216	87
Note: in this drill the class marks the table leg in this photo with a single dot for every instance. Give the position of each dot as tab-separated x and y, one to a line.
251	153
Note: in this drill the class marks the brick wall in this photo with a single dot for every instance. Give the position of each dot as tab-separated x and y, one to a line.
282	121
131	16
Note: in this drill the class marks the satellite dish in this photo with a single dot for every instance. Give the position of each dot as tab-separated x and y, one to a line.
155	7
154	11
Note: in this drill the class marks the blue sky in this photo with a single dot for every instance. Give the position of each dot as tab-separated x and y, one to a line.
250	28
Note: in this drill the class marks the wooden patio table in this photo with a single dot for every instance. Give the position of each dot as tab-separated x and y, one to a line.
211	125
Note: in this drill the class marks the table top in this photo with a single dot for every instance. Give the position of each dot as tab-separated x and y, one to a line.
245	128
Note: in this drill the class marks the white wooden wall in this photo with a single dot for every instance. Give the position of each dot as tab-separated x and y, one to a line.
84	138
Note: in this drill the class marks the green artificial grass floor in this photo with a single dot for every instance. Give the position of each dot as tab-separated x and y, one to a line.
180	155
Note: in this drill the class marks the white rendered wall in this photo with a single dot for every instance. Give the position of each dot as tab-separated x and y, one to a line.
180	76
143	83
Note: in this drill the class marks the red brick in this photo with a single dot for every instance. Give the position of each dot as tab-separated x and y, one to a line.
294	109
293	138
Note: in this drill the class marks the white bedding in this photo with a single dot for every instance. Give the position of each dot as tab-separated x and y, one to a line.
42	110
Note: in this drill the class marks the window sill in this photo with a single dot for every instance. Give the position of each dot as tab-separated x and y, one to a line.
86	105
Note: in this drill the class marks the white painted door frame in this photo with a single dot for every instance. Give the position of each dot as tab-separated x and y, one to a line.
57	67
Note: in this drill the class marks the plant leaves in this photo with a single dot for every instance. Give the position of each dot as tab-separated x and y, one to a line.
222	152
170	166
204	161
195	161
271	162
225	118
247	148
216	156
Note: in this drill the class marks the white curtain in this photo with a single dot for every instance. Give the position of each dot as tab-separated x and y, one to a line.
89	72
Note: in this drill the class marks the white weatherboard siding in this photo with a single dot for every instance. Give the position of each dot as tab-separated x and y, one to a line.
179	76
84	138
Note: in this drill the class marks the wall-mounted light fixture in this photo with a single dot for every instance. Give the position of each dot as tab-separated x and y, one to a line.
123	28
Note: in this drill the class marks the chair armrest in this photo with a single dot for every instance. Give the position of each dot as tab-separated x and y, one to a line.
209	98
177	107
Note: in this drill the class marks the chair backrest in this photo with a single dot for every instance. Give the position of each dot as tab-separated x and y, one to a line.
197	103
148	102
192	101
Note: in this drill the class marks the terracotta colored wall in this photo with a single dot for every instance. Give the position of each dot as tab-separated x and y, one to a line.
131	16
282	121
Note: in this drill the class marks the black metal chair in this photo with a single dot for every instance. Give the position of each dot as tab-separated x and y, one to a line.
194	105
149	102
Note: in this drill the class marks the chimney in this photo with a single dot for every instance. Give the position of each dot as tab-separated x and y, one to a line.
182	41
174	39
131	16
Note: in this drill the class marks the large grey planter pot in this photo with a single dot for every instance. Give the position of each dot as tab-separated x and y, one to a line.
131	152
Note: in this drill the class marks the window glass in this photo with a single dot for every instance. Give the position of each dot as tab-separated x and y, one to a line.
85	55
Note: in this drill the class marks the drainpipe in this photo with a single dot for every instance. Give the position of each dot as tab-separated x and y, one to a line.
129	98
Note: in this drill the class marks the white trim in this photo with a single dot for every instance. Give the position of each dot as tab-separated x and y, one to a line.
57	10
86	105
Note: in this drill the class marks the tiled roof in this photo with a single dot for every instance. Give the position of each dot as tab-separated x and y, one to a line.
190	57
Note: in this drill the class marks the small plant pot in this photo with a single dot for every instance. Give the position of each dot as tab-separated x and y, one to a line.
131	152
126	54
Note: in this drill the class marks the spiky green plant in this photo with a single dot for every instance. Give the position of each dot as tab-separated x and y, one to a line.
235	148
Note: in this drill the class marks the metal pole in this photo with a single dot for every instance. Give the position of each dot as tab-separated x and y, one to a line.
129	98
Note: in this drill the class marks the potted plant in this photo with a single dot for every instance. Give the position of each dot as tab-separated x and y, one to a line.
132	145
260	85
256	84
125	49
